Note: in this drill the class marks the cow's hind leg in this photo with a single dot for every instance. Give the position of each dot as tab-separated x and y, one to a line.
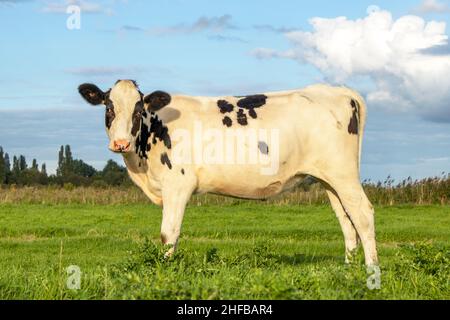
361	213
350	235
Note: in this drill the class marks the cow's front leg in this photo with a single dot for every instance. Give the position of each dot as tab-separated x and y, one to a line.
174	204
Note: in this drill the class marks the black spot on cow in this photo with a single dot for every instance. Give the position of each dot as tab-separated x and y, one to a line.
109	112
227	121
157	100
142	145
241	118
263	147
353	124
137	117
252	113
160	131
182	171
165	160
245	102
225	106
253	101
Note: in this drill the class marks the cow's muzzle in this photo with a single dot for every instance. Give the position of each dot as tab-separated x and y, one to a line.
120	146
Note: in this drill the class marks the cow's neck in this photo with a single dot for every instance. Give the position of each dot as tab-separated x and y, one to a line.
153	132
144	164
142	173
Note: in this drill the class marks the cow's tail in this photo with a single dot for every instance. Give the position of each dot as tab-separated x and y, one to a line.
362	113
357	101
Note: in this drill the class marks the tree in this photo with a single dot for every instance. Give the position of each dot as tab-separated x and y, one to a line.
42	175
44	169
22	163
2	167
114	174
7	167
74	171
60	162
65	162
16	168
34	165
68	155
69	170
82	169
7	163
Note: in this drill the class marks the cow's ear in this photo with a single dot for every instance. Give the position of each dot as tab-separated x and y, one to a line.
91	93
156	100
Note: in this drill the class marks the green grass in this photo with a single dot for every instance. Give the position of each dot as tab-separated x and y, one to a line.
245	251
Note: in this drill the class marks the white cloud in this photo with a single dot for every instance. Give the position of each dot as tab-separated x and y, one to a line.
201	24
439	159
224	38
265	53
270	28
13	1
432	6
85	7
131	28
104	71
393	53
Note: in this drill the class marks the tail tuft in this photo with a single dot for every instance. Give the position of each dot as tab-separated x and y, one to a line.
354	120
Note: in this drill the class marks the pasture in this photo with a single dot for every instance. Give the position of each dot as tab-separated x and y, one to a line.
243	250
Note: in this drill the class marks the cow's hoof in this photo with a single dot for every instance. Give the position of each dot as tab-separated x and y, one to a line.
351	256
169	253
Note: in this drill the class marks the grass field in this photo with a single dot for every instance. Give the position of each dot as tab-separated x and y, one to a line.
245	251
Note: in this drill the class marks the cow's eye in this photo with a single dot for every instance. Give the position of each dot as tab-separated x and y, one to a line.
109	116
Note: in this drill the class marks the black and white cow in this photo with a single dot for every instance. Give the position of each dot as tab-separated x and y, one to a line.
173	146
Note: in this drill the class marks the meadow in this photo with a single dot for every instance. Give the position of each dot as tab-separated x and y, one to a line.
229	250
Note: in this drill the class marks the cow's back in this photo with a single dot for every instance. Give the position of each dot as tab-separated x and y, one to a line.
292	128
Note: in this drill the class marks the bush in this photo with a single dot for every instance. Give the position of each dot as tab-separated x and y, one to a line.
68	186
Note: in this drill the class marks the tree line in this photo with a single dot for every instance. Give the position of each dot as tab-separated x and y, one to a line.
16	171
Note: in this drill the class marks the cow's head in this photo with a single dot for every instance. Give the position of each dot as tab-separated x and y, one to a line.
125	108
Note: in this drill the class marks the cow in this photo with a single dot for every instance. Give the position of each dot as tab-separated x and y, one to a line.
318	132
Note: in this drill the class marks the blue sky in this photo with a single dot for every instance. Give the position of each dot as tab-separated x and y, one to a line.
228	48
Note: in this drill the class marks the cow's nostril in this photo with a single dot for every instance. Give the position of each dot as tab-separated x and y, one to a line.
121	146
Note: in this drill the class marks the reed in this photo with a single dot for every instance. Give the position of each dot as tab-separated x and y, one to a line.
427	191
